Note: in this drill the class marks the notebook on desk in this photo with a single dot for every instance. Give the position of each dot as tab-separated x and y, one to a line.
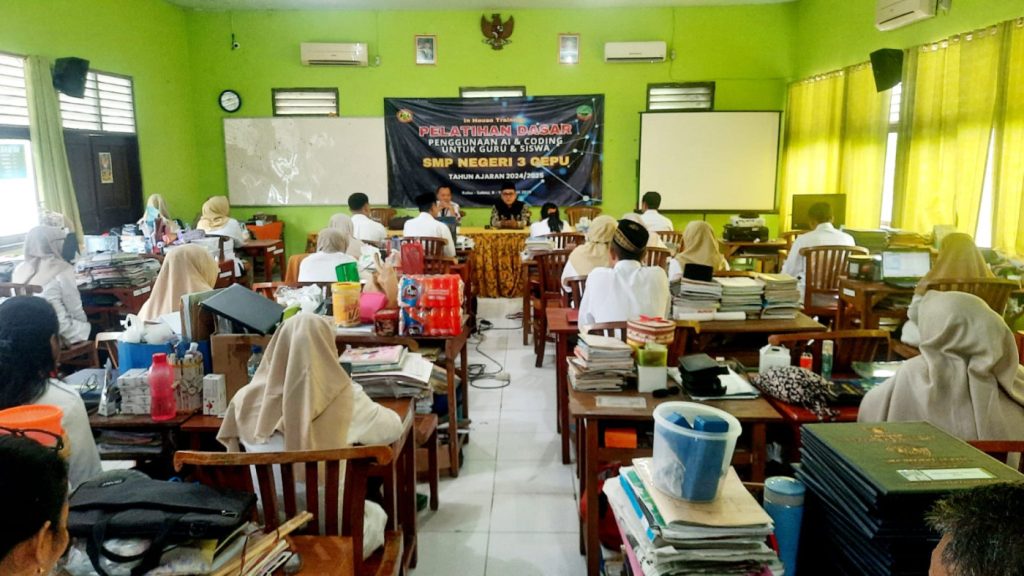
905	268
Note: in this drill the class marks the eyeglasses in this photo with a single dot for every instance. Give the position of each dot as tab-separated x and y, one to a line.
48	439
508	193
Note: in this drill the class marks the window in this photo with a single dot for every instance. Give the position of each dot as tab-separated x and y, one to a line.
108	105
13	97
681	96
889	178
493	92
305	101
17	190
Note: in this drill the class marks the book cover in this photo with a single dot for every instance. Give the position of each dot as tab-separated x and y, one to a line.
375	356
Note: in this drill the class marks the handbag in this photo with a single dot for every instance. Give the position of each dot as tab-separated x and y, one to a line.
129	504
800	386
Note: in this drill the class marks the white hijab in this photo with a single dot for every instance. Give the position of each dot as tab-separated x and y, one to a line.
967	380
43	259
343	223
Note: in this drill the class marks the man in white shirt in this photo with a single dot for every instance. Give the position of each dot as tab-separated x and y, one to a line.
655	222
627	289
364	227
426	225
822	234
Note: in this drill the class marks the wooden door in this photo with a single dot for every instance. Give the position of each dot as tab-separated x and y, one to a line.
107	178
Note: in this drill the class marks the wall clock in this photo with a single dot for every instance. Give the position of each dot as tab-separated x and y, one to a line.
230	101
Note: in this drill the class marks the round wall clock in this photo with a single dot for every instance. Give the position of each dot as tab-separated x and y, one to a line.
230	101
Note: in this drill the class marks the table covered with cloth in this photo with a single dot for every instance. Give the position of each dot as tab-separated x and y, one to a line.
496	261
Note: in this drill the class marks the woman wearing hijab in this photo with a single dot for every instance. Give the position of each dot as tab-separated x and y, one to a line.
958	258
343	223
217	220
45	266
185	270
331	246
595	252
156	212
700	247
509	212
549	223
967	380
301	399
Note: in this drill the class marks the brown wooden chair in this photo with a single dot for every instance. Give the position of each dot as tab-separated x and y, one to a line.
566	240
231	470
438	265
850	346
80	355
994	291
824	266
549	266
610	329
657	257
107	342
673	240
382	215
572	298
432	247
425	428
10	289
291	273
574	213
1002	450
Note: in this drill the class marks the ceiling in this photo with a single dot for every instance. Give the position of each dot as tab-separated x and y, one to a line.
238	5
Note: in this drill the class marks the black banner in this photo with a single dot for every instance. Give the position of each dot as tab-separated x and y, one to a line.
550	146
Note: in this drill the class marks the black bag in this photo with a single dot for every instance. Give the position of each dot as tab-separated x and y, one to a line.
128	504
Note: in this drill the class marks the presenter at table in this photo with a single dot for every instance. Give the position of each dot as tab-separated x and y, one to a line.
510	212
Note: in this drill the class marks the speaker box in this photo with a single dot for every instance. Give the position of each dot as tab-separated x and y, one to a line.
887	66
69	76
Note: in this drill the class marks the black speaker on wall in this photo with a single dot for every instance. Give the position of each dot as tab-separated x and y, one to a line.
887	66
69	76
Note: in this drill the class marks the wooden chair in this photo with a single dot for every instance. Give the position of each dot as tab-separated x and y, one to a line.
311	240
80	355
791	235
657	257
673	240
824	266
574	213
231	470
221	241
572	298
549	266
291	273
425	427
438	265
432	247
1002	450
994	291
566	240
850	346
10	289
610	329
382	215
107	342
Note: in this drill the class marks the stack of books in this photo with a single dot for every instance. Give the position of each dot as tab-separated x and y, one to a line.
696	297
781	296
870	486
390	372
665	536
600	363
115	270
741	294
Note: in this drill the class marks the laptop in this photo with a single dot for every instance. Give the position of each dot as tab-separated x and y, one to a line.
905	268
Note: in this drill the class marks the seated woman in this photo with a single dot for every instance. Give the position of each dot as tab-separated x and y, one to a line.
958	258
549	223
216	220
185	270
967	380
595	252
301	399
510	212
700	247
34	492
45	266
331	246
156	214
29	348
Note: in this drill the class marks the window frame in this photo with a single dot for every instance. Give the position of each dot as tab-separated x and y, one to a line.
8	132
484	89
710	85
275	91
99	106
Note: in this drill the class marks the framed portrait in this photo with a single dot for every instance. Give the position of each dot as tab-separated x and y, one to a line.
426	50
568	48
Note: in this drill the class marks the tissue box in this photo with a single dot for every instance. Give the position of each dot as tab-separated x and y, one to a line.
215	395
773	357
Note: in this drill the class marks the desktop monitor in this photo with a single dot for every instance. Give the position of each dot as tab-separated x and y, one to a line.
803	202
905	264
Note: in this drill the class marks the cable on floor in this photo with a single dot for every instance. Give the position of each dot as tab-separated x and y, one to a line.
478	371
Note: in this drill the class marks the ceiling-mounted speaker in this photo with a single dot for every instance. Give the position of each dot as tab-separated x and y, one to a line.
887	66
69	76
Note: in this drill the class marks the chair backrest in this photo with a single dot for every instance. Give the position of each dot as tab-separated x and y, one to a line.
8	289
438	265
566	240
824	266
850	346
432	246
1001	450
576	284
291	273
994	291
382	215
549	267
311	240
221	241
672	239
611	329
656	256
231	470
791	235
574	213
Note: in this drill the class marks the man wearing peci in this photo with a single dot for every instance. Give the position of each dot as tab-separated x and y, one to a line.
426	224
364	227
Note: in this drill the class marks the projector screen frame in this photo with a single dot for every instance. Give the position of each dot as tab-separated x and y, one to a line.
778	160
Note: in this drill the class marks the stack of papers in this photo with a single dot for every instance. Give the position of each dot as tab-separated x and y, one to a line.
115	270
781	296
375	359
696	297
600	363
741	295
410	380
670	537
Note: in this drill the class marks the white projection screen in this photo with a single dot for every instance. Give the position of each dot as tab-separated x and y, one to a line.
710	161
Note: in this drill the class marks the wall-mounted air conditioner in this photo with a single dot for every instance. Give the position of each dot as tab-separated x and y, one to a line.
635	51
340	54
892	14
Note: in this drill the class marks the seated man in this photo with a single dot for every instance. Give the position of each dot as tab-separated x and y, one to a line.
823	234
426	225
981	532
364	227
654	221
627	289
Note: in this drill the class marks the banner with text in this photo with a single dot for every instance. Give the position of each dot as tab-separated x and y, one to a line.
550	146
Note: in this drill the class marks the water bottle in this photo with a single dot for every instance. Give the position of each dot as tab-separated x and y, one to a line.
162	404
784	502
254	361
827	349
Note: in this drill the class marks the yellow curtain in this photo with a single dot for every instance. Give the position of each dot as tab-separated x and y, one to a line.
1008	167
865	129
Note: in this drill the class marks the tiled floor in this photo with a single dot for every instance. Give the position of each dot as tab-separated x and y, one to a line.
512	510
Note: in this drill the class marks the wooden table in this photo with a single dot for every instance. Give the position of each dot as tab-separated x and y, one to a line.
693	337
126	301
270	250
767	251
591	421
860	299
143	423
563	328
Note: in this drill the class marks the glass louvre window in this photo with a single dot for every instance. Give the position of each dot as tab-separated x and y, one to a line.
13	96
685	96
493	92
108	105
305	101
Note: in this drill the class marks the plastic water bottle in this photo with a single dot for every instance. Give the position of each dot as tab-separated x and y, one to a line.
784	502
254	361
827	349
162	403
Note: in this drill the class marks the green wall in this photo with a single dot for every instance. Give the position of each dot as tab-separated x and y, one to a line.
144	39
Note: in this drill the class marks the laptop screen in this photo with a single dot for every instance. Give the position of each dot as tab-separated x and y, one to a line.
910	264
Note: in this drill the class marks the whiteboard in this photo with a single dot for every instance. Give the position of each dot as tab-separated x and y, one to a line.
304	161
710	161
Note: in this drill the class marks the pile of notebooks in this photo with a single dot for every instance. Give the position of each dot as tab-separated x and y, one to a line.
390	371
870	486
118	270
741	294
664	536
781	296
696	297
600	363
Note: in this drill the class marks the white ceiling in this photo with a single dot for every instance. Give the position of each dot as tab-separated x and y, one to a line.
236	5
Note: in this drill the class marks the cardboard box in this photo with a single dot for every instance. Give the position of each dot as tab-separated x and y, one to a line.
230	355
215	400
